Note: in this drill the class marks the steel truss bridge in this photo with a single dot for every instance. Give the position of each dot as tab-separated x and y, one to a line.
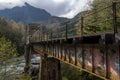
96	52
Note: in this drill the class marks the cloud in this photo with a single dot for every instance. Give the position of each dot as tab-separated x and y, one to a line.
75	7
62	8
10	3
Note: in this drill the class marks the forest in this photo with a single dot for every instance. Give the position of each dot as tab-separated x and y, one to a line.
11	46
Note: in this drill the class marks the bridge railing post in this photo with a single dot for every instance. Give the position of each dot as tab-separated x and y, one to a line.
114	5
57	32
43	36
81	28
51	35
66	35
47	37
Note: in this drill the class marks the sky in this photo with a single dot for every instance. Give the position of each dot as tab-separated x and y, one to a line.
61	8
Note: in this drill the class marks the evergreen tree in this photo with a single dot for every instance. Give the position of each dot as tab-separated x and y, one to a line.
7	50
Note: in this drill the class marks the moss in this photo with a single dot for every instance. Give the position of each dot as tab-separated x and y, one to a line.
25	78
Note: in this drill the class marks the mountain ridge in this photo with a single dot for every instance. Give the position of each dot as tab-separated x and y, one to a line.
31	14
26	13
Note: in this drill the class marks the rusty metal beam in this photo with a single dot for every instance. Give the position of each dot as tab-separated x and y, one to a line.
93	59
107	47
107	63
83	56
75	54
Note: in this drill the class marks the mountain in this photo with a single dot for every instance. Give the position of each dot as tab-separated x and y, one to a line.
79	15
54	19
25	14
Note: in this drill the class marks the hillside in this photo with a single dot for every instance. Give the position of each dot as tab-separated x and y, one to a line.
28	14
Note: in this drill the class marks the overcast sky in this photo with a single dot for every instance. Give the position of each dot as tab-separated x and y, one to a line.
62	8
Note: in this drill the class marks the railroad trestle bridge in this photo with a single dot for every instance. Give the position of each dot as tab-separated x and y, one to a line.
97	53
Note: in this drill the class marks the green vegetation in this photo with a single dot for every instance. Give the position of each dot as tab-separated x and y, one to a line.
71	73
25	78
64	78
7	49
100	17
13	32
11	46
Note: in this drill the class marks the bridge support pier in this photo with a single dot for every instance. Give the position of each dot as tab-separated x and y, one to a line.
28	51
50	69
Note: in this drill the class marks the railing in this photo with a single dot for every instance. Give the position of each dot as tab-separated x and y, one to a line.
103	20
